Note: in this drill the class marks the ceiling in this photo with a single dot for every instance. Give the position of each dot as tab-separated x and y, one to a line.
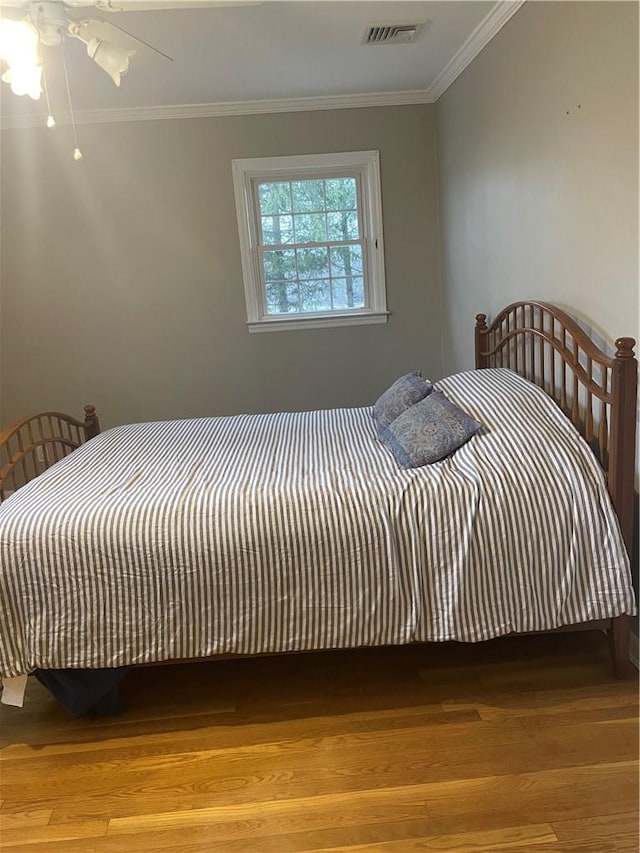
273	50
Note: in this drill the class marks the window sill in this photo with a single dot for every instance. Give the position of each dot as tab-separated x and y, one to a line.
281	324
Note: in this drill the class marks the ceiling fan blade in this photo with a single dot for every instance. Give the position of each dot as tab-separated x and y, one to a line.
165	5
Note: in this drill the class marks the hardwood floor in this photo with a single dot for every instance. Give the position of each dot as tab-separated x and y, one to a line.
525	745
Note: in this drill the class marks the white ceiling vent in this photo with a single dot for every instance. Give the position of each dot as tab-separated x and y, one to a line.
393	33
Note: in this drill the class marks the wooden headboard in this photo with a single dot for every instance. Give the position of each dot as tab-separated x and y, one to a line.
31	445
596	391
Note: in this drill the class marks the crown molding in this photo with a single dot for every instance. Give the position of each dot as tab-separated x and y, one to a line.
479	39
227	108
500	13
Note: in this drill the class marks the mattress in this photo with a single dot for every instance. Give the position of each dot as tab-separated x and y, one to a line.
294	531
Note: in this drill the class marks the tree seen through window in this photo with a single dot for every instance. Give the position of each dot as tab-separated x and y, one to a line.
326	275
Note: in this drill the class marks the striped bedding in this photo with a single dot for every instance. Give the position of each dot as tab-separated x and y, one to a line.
265	533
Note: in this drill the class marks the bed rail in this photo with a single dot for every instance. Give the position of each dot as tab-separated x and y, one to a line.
31	445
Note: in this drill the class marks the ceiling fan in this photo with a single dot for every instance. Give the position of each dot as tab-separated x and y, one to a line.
25	24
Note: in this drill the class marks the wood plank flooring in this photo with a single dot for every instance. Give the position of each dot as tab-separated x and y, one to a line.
526	745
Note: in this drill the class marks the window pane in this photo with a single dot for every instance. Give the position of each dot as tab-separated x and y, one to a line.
307	195
275	198
277	302
277	230
343	225
282	297
293	295
315	295
358	292
313	263
346	260
279	265
310	228
341	193
348	293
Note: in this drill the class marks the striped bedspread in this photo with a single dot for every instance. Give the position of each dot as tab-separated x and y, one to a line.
294	531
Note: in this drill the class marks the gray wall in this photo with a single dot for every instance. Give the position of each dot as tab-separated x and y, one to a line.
538	157
121	277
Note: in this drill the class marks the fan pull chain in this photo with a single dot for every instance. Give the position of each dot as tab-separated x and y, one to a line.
51	122
77	153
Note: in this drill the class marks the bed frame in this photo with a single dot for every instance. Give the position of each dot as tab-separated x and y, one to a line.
31	445
596	391
539	341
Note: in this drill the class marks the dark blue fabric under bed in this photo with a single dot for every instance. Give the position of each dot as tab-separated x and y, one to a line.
85	692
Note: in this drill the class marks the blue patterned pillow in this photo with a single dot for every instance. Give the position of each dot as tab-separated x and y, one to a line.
429	431
403	394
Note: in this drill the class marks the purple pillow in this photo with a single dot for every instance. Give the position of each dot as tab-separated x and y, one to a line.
429	431
404	393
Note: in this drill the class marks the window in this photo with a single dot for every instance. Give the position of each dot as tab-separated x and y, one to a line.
311	240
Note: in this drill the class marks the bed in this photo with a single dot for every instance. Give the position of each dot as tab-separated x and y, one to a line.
265	534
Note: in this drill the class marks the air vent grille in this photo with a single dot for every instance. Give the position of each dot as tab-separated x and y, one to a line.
392	33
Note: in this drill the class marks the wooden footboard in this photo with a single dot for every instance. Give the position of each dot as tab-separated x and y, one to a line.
31	445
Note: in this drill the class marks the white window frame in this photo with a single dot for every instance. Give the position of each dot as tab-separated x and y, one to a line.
365	166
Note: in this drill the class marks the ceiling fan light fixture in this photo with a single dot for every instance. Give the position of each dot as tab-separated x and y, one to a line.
112	59
18	42
24	80
19	48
